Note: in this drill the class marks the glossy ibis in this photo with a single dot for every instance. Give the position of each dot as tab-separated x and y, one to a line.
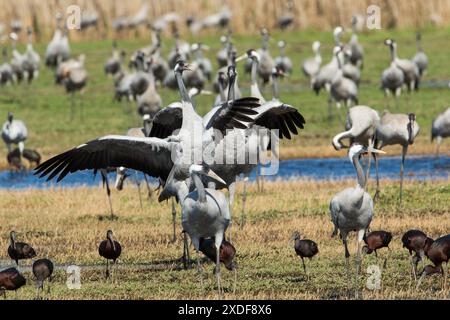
109	249
42	270
19	250
11	279
438	252
418	242
376	240
304	248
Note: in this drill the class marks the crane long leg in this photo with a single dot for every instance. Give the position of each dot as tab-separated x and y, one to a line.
377	191
200	270
438	143
218	242
138	183
359	240
244	200
149	189
186	258
108	191
231	191
72	105
347	256
404	151
174	218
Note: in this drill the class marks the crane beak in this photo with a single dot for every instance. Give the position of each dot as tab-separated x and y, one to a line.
240	58
373	150
213	175
207	92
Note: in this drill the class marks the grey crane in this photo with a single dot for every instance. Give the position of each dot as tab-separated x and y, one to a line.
392	78
220	19
180	51
162	22
74	79
395	129
14	132
204	63
409	68
282	61
204	211
352	208
222	54
326	73
440	128
356	49
420	58
342	89
286	19
153	155
31	59
360	125
7	75
17	59
114	64
150	101
89	19
266	62
350	70
311	66
139	18
58	48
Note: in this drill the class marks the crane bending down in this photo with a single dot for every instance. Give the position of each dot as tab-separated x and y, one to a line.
360	125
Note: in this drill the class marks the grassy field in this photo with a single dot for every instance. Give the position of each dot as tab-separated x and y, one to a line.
45	107
67	225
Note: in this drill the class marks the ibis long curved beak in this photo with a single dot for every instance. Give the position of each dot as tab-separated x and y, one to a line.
242	57
213	175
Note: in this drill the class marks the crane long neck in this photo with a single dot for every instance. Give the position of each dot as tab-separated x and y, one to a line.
337	139
200	188
275	88
359	172
419	44
222	91
181	87
111	241
393	52
231	83
254	85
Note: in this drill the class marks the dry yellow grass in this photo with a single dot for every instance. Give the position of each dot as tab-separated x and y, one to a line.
248	16
66	225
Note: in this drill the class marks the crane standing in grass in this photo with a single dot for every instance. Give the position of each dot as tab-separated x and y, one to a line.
440	128
352	208
395	129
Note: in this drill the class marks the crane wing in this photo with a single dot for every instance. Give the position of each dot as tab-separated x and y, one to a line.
167	120
149	155
277	115
232	114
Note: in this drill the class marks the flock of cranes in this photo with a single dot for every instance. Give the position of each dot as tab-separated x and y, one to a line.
170	145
